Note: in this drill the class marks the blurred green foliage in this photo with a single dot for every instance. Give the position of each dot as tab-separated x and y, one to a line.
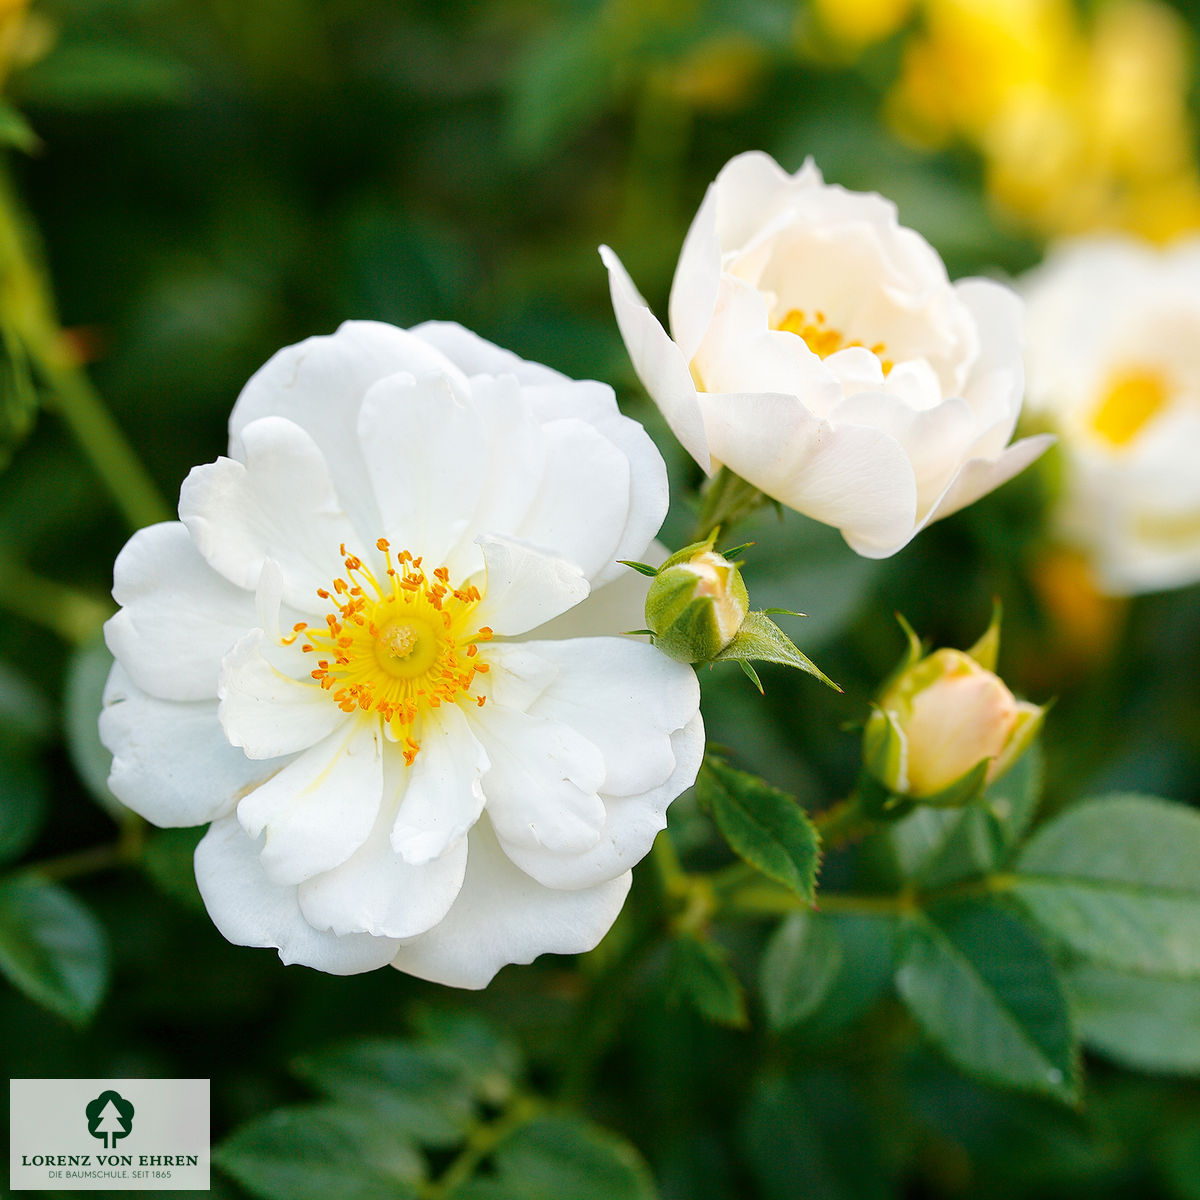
210	181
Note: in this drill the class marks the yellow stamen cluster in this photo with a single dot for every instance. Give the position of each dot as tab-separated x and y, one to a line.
396	647
822	339
1133	399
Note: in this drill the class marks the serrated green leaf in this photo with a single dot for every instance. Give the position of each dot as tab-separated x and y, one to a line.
322	1150
761	640
1117	879
799	965
422	1091
762	824
698	973
553	1157
985	990
51	947
1141	1021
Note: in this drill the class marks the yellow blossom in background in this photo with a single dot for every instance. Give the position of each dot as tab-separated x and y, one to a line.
12	18
861	22
1082	125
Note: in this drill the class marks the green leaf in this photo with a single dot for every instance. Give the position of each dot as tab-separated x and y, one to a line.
168	860
322	1150
25	714
105	75
761	640
813	1137
491	1062
15	131
87	674
423	1091
51	947
699	973
23	805
765	826
867	966
1141	1021
985	990
555	1157
1117	879
936	847
799	965
1014	798
559	84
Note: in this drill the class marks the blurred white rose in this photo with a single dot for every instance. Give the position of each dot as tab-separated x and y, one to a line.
819	351
364	656
1114	368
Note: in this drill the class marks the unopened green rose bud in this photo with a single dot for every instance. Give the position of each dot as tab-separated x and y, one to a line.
941	718
696	604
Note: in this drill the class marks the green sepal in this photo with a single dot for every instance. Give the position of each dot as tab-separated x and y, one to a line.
751	674
966	789
640	567
761	640
986	651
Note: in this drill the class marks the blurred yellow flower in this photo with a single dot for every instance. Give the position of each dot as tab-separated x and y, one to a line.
12	16
1081	126
860	22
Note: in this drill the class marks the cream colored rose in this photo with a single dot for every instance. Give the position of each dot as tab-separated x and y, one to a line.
818	350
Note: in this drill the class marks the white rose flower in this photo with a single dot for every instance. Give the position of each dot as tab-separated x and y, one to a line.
365	655
1114	367
819	351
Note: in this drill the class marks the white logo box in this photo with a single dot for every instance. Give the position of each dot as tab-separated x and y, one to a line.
108	1134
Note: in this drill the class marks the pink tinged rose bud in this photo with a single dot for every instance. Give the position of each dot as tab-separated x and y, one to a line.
941	718
953	714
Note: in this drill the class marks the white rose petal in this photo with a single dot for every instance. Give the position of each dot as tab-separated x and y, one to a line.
377	655
1114	368
818	350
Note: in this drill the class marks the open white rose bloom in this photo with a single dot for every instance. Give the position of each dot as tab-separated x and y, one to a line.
366	655
819	351
1114	367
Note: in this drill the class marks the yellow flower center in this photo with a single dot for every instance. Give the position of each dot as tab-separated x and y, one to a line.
1133	399
822	339
396	647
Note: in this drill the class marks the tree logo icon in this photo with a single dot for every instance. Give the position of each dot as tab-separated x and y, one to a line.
109	1117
